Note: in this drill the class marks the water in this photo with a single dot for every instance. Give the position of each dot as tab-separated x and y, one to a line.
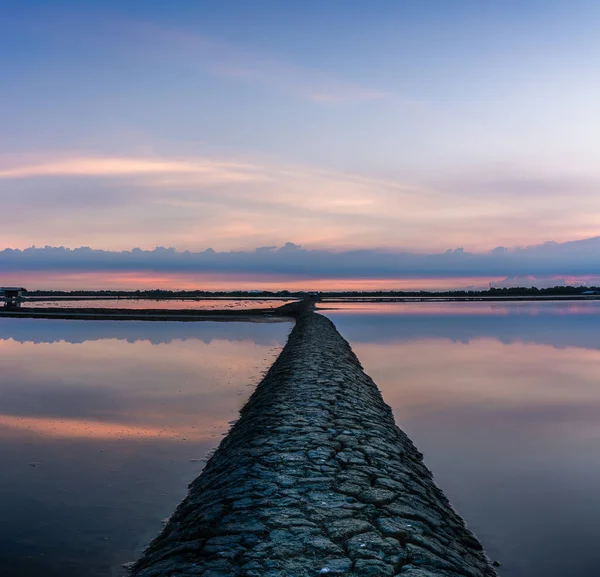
174	304
103	425
503	399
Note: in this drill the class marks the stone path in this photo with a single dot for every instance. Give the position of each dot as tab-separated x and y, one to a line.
315	479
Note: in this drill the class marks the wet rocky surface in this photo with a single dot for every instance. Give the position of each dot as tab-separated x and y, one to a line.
314	479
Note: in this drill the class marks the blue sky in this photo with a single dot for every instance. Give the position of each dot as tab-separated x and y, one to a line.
383	125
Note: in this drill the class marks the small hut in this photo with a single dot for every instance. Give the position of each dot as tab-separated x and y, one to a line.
12	295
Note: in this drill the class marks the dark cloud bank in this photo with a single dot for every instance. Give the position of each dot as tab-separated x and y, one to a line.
571	259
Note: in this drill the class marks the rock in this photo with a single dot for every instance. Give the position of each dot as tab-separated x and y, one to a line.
340	566
373	568
346	528
377	496
315	478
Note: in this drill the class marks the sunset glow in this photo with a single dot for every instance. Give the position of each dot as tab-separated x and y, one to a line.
194	137
61	280
299	255
80	429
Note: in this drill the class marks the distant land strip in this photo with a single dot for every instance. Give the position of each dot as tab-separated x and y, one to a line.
160	294
76	313
249	314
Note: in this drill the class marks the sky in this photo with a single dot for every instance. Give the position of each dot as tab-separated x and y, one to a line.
359	132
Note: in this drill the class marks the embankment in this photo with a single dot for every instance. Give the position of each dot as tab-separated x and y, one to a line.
315	478
188	315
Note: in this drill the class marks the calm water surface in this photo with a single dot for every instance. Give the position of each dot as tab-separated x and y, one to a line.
103	425
175	304
503	399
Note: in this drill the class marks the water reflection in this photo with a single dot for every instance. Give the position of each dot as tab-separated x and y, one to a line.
454	308
506	409
154	332
103	424
559	324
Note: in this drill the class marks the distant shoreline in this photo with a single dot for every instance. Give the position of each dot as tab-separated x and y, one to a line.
251	315
326	299
195	295
432	298
284	312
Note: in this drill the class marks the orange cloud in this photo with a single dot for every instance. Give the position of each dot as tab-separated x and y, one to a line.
204	169
193	202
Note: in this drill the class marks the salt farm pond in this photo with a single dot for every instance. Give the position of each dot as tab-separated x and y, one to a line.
103	424
173	304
